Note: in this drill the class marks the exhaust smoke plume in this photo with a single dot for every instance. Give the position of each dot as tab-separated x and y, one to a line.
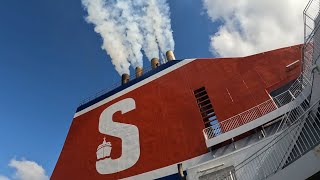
129	26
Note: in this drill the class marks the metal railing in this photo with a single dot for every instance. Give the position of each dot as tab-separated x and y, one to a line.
116	85
240	119
311	52
299	137
300	130
285	147
258	111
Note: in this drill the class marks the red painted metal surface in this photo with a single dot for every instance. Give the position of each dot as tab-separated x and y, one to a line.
169	122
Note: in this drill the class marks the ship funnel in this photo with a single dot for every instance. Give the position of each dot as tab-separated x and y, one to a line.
170	55
125	78
139	71
154	63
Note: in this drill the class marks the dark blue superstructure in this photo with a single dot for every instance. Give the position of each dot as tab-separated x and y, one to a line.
124	86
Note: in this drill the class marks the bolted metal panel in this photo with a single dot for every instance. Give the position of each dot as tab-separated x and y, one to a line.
170	55
154	63
125	78
139	71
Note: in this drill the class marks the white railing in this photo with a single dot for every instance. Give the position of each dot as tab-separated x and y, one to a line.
285	147
240	119
298	138
311	51
300	132
301	129
257	111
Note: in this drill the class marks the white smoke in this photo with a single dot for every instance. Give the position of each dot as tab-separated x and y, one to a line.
252	26
157	25
127	27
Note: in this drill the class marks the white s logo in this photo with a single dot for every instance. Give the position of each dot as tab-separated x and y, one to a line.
128	133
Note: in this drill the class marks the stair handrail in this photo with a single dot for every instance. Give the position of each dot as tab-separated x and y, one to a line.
275	140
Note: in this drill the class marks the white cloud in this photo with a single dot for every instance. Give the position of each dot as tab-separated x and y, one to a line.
252	26
26	170
4	178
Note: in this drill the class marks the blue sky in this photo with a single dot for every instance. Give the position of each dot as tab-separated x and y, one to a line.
51	59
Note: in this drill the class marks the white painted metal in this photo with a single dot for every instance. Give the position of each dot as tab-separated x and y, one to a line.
292	64
275	155
229	159
301	135
287	154
258	111
302	168
251	125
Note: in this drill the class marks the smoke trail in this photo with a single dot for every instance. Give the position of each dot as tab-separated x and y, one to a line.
162	24
119	29
157	28
128	26
129	21
112	34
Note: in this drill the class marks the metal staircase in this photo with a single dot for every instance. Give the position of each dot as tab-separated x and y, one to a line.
298	138
299	130
295	133
300	145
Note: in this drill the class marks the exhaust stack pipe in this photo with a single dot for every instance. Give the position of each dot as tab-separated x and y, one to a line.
139	71
125	78
170	55
155	63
